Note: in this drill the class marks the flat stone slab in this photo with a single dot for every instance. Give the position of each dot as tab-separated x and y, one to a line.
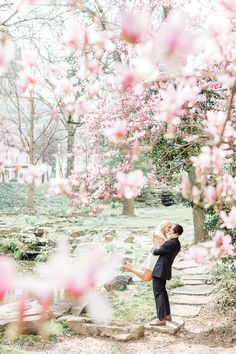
85	327
193	290
185	310
192	282
171	327
190	299
196	277
196	270
185	264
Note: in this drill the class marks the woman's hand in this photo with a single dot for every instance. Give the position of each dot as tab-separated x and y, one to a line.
127	267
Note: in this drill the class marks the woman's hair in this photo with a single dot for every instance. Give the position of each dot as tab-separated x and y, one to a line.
158	231
163	224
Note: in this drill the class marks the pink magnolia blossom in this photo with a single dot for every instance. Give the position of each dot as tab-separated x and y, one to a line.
56	115
213	157
210	195
230	220
186	186
215	122
117	132
130	185
134	29
60	186
7	275
174	42
127	77
229	6
7	53
35	173
221	245
197	254
26	81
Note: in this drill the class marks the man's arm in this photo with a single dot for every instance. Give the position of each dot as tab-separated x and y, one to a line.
167	247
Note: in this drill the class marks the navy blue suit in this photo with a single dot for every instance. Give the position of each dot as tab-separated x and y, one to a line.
162	272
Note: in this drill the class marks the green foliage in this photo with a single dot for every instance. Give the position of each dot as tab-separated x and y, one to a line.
175	282
14	248
13	198
224	275
211	223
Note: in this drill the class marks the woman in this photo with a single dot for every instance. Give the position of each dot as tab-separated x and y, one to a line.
159	237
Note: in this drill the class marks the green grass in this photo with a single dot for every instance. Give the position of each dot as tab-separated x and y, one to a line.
13	198
137	305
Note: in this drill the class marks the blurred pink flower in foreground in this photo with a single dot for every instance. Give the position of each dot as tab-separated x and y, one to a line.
60	186
197	254
35	173
134	28
117	132
130	185
229	5
173	41
230	220
186	186
7	275
221	245
210	195
7	52
26	80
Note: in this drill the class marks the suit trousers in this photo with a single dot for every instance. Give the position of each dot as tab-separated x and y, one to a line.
161	298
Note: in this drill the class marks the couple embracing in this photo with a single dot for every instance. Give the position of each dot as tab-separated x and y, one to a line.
158	266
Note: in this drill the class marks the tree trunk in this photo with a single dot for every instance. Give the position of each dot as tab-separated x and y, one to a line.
200	233
128	207
70	148
31	150
31	195
166	10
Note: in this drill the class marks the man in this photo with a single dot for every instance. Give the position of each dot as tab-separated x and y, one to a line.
162	272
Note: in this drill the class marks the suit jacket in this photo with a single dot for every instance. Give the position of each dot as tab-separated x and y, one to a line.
167	252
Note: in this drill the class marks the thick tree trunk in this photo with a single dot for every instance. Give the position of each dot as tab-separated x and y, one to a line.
70	148
128	207
200	233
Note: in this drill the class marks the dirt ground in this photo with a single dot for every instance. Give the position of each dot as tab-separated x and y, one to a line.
209	333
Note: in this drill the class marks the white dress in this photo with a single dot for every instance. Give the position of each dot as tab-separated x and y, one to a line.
151	260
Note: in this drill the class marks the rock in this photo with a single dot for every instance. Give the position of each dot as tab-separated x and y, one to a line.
233	329
38	232
193	290
129	239
192	282
118	332
190	299
185	264
109	238
196	271
195	277
79	233
185	310
119	283
79	308
60	308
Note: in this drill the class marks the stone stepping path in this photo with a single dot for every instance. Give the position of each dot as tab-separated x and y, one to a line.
195	270
190	299
185	310
203	289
